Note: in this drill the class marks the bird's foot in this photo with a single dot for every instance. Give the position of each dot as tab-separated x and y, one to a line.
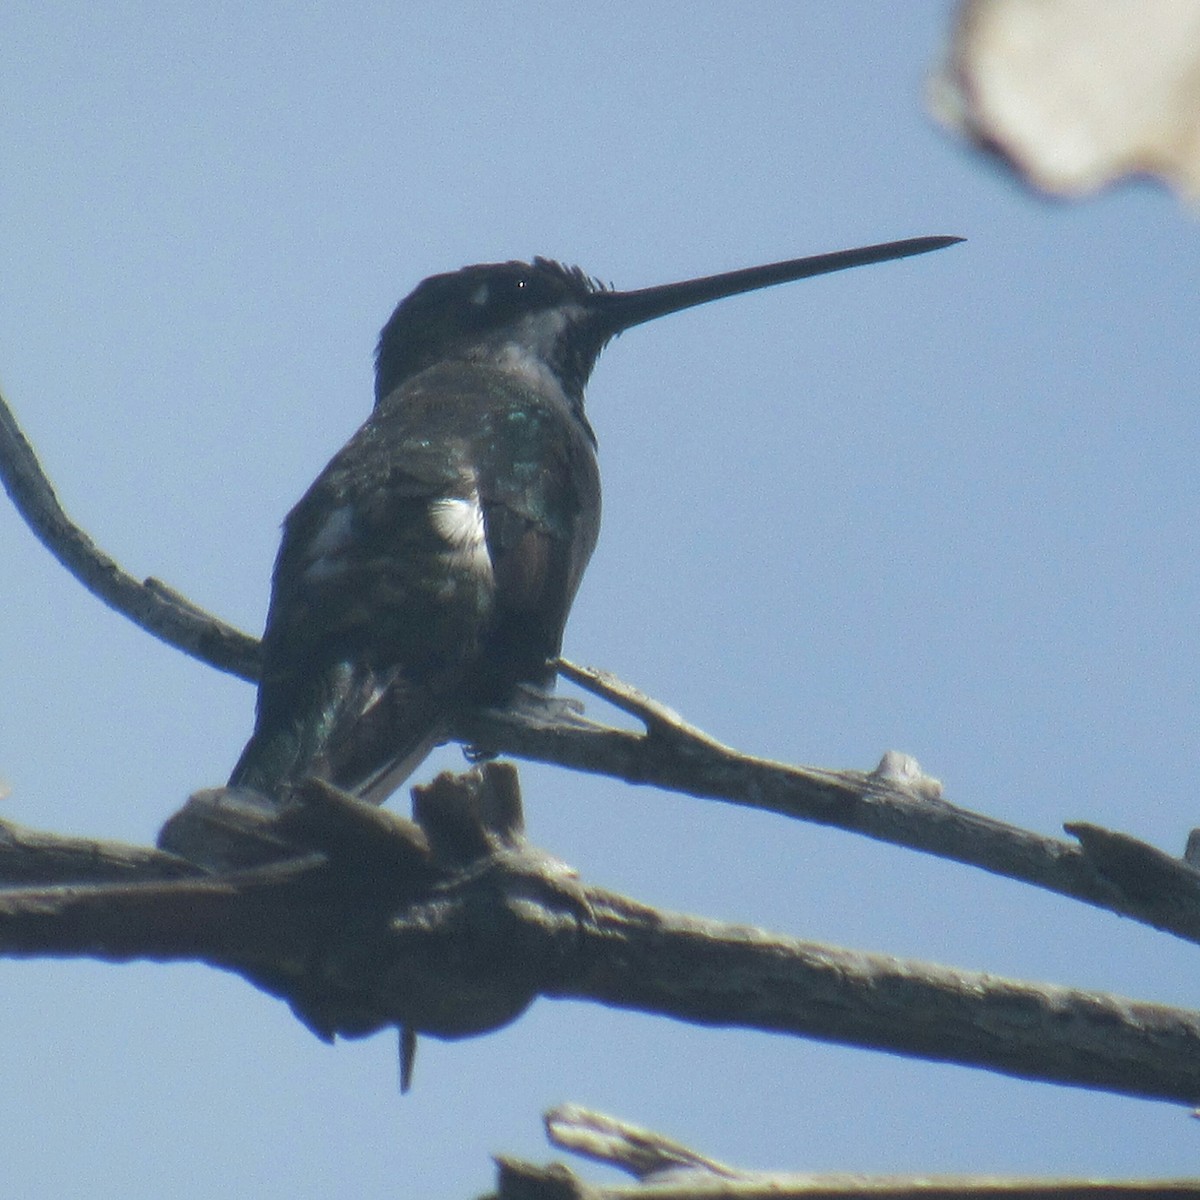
535	705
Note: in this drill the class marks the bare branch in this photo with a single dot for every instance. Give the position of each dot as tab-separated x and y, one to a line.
29	857
153	606
454	924
894	803
640	1152
727	975
889	804
667	1170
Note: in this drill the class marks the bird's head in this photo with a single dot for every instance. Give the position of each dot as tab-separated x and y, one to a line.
550	322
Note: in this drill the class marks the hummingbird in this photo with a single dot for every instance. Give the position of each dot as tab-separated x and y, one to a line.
430	567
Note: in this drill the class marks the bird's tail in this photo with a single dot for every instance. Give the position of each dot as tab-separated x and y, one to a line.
363	730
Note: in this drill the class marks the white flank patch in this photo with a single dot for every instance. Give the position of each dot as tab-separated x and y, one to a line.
460	523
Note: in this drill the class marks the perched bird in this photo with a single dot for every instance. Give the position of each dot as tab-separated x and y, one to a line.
431	565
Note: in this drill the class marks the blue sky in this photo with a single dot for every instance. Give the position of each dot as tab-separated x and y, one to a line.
946	506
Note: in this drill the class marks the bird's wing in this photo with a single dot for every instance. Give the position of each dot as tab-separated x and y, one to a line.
381	590
430	565
540	535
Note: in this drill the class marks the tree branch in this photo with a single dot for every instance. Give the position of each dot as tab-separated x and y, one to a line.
895	803
150	604
892	804
28	857
667	1170
453	924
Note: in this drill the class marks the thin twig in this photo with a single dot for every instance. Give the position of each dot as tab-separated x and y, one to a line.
667	1170
884	804
149	604
640	1152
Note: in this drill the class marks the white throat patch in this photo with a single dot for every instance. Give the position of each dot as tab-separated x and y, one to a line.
533	340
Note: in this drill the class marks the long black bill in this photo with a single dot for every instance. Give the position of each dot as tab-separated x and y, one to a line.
615	311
